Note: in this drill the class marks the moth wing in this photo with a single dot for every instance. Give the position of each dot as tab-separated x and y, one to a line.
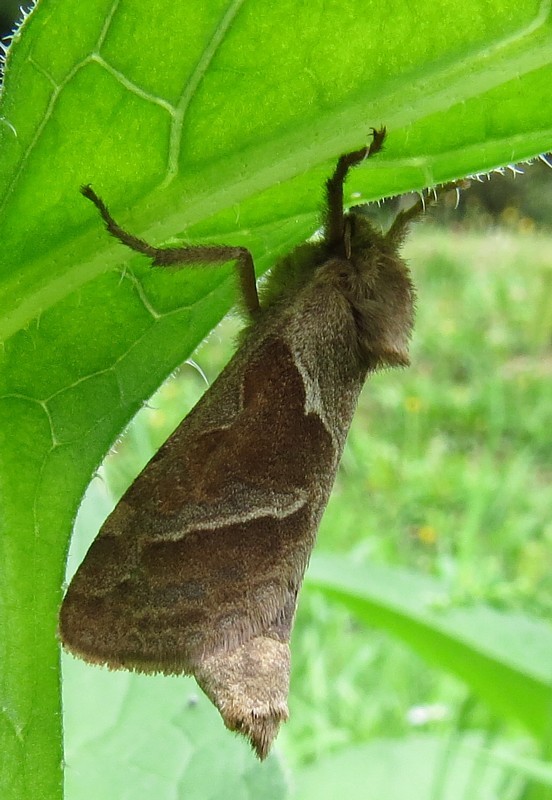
197	570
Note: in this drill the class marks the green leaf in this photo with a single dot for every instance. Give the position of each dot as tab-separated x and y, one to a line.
505	657
147	736
215	121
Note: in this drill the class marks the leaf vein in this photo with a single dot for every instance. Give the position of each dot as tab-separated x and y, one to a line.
192	85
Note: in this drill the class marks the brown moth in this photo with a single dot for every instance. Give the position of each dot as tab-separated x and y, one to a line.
197	570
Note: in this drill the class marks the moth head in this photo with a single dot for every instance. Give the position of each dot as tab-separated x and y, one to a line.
380	292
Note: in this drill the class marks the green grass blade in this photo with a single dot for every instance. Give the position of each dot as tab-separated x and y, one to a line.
505	657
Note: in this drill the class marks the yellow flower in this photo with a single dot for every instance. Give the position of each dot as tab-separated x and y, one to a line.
413	404
427	534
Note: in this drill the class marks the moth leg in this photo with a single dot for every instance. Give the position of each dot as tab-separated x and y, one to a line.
401	222
334	224
197	255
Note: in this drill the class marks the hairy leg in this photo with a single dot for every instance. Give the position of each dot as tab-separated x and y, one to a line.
199	255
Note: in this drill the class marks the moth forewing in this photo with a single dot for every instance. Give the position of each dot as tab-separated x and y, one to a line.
197	570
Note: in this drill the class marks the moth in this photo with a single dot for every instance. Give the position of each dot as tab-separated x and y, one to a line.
198	568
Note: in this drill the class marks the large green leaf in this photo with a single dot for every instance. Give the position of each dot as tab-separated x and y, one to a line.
184	748
216	120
